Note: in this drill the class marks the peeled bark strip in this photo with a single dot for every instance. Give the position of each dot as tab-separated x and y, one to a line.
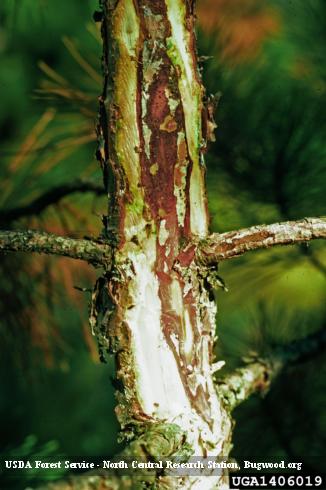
154	307
162	440
162	326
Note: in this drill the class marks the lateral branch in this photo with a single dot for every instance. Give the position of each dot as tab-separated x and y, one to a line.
223	246
91	251
257	376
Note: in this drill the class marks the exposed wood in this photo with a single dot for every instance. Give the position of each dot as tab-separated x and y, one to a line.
158	310
152	134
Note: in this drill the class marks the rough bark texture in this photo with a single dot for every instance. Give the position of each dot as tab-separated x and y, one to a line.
159	441
257	375
35	241
218	247
208	252
154	307
152	129
165	441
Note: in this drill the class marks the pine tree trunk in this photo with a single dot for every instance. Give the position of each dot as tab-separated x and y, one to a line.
154	126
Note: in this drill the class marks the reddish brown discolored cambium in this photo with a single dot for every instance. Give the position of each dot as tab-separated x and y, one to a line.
163	325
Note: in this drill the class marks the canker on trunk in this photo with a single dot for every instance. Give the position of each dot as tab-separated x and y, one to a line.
163	326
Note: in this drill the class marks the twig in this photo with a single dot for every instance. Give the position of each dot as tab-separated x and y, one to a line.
47	243
224	246
257	376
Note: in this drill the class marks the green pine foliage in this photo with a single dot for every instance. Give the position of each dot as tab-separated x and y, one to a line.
268	164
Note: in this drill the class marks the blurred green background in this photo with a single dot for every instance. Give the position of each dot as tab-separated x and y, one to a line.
268	61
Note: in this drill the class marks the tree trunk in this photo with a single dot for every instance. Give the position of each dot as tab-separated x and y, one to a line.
154	307
153	127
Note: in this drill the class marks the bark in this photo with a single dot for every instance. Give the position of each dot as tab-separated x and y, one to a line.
159	441
93	252
152	129
224	246
208	252
154	307
257	375
154	123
